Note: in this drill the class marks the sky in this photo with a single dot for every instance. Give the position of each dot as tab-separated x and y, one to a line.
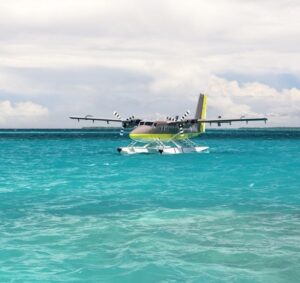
150	59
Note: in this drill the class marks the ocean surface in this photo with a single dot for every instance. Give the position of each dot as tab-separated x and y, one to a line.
73	210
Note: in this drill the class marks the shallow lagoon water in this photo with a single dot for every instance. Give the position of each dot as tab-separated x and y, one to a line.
73	210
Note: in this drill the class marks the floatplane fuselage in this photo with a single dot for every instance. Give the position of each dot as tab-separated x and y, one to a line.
171	136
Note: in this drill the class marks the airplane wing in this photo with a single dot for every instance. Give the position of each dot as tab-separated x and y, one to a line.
229	121
217	121
130	122
92	118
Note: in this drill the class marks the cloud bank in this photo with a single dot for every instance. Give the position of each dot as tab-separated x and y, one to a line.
21	113
150	58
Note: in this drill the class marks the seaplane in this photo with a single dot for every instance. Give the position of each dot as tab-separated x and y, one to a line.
170	136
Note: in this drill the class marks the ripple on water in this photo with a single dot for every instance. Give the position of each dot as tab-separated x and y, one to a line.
74	210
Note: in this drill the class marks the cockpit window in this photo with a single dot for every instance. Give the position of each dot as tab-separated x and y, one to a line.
146	124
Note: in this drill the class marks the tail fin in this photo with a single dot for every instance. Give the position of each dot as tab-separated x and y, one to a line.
201	111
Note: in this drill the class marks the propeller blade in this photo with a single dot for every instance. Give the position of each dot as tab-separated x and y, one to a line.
117	115
185	115
181	129
121	133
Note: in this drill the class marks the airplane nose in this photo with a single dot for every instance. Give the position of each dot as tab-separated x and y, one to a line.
135	133
132	134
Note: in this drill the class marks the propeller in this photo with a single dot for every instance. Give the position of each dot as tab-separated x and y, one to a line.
117	115
129	122
120	118
131	118
169	118
182	119
173	119
181	129
185	115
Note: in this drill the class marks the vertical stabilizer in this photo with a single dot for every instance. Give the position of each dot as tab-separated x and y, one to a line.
201	111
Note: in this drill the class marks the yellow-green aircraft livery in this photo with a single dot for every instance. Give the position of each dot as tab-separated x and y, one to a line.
172	129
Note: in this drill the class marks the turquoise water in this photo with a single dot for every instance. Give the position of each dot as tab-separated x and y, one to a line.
73	210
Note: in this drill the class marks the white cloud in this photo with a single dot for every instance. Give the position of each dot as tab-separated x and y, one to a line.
230	98
95	56
21	113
